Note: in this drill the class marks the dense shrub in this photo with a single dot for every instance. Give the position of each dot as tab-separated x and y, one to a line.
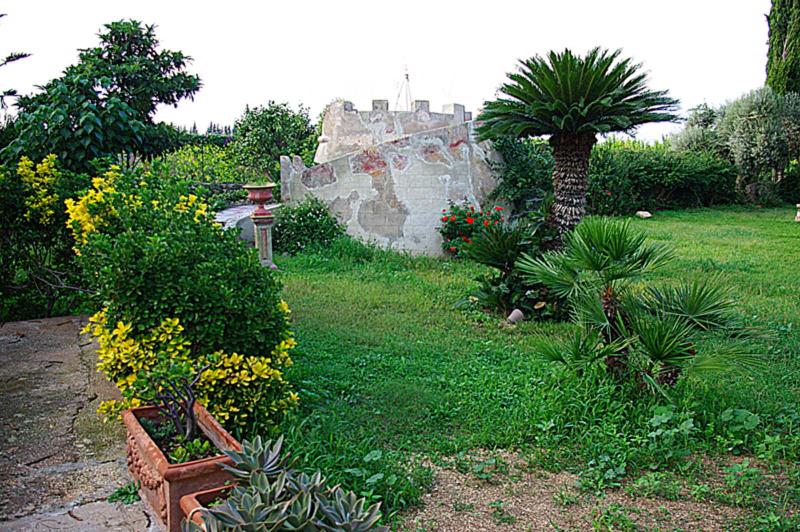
624	176
759	133
38	276
526	171
305	226
499	246
263	134
168	279
461	222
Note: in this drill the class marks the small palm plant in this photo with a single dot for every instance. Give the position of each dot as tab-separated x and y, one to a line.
651	335
573	99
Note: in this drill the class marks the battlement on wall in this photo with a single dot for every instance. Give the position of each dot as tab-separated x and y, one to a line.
346	129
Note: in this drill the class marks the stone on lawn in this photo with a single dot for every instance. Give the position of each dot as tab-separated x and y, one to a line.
644	214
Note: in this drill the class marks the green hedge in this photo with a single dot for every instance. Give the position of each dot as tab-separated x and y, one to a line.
624	176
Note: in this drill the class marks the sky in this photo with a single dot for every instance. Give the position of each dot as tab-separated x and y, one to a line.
310	52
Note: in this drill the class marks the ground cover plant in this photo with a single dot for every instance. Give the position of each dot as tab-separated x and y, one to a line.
392	377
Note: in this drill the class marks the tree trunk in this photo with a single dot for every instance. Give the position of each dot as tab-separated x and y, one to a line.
571	153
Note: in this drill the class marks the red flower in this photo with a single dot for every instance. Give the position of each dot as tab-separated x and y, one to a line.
444	218
471	208
485	223
496	222
470	220
498	208
444	210
468	241
452	218
452	248
608	192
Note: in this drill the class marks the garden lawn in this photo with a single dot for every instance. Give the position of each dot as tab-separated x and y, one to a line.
393	377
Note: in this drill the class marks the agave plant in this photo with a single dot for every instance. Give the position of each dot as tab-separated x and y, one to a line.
270	496
573	99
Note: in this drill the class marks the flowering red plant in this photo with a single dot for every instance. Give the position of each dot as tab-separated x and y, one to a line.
460	222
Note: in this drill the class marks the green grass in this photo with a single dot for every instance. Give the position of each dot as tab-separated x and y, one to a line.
390	373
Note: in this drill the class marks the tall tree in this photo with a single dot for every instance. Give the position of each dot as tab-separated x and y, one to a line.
263	134
572	99
783	58
103	106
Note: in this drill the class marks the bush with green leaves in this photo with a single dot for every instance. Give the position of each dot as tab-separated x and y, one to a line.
499	246
759	133
461	222
271	495
305	226
624	176
168	278
38	274
264	133
645	334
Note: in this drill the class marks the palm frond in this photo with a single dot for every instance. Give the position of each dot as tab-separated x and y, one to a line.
706	304
665	340
583	348
566	93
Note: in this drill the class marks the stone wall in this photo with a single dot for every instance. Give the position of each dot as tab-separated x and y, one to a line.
345	129
393	191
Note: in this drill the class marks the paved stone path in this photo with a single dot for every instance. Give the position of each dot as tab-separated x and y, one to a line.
58	460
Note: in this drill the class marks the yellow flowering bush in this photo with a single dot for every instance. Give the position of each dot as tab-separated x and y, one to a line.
172	282
238	390
41	200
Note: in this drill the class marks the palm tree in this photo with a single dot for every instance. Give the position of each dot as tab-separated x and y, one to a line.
572	99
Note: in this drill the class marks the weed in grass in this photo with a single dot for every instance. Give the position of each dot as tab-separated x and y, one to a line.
614	517
500	514
565	498
741	483
463	507
655	484
127	494
699	492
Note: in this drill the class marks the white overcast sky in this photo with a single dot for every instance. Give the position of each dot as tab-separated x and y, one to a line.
312	52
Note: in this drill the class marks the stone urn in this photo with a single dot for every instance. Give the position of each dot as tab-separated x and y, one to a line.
259	195
162	484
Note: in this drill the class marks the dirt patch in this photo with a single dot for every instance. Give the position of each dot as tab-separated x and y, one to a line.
513	496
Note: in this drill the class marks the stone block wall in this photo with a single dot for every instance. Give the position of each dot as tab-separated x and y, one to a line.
345	129
393	191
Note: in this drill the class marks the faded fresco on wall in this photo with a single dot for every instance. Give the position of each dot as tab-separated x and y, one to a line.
392	187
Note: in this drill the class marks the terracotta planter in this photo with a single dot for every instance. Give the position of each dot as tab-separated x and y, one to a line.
192	504
163	484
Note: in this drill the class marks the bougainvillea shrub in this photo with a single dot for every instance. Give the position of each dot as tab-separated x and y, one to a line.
460	223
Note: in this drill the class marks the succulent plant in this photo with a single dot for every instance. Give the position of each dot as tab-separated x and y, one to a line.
258	456
271	497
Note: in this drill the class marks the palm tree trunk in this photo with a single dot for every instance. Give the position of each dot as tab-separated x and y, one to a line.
571	153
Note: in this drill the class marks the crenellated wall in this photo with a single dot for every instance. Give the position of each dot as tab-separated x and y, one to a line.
345	129
390	179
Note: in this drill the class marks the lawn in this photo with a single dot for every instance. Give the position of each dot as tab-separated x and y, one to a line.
395	379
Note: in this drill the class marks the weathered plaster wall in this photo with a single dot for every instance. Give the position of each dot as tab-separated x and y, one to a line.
346	130
393	192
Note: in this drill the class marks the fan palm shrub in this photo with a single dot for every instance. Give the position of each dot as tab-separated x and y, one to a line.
651	335
573	99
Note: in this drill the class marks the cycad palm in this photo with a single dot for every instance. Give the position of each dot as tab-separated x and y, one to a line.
572	99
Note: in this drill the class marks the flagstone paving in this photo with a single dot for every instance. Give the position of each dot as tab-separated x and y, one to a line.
58	461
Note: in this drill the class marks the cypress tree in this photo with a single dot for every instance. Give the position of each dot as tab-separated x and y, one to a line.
783	59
